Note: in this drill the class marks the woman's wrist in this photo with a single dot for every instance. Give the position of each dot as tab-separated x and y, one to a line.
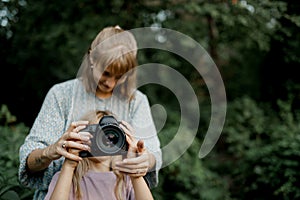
38	160
46	155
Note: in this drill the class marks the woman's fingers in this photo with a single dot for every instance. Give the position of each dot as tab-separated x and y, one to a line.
71	156
72	138
74	141
72	148
79	123
136	167
83	137
69	144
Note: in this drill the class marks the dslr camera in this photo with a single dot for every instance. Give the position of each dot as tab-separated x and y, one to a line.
108	138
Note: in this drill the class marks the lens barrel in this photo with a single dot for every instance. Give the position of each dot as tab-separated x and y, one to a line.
108	138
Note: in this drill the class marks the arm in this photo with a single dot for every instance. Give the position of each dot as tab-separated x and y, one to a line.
141	189
42	147
39	159
64	183
148	163
47	128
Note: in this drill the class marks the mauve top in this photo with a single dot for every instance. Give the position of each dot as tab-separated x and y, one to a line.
96	185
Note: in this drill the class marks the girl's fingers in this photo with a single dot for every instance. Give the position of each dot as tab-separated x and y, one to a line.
76	124
134	145
129	137
79	123
127	126
78	128
140	146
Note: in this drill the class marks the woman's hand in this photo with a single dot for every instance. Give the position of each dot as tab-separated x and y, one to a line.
71	163
70	140
138	158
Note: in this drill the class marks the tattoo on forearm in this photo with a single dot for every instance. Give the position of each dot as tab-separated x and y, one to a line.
38	161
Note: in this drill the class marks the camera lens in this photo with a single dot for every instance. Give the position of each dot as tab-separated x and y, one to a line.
110	139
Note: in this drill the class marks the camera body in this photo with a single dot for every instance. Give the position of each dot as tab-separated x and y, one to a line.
108	138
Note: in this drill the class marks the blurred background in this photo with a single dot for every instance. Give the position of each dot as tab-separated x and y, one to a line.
255	45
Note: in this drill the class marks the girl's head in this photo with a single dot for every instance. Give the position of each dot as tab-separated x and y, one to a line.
107	162
110	62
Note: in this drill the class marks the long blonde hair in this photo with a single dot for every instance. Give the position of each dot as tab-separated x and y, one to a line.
112	48
84	165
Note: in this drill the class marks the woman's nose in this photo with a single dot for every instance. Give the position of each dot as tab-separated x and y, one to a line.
110	81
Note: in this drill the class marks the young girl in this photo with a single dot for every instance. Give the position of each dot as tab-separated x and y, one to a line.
98	177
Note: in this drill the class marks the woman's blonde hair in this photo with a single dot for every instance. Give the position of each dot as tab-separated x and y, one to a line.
84	165
112	48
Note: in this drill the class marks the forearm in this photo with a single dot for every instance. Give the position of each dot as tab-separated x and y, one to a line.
37	160
64	183
141	190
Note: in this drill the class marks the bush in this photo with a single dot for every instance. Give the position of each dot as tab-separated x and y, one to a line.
188	177
12	136
261	150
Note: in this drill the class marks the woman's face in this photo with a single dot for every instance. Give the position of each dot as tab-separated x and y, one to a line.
107	81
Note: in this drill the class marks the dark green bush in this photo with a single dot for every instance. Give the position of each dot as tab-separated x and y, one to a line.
12	136
260	149
188	177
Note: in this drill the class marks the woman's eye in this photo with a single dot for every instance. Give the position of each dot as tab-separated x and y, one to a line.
106	74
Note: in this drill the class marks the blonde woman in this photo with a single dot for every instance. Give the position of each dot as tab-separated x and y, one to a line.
98	177
106	81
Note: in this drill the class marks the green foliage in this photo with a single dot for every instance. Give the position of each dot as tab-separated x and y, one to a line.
236	35
9	16
187	177
12	136
5	116
264	144
246	39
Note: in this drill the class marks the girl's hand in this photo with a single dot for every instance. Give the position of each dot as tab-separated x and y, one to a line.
137	162
70	140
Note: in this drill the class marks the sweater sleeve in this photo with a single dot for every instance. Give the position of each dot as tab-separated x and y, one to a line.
145	130
47	128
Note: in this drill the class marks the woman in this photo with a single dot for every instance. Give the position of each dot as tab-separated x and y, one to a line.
106	81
